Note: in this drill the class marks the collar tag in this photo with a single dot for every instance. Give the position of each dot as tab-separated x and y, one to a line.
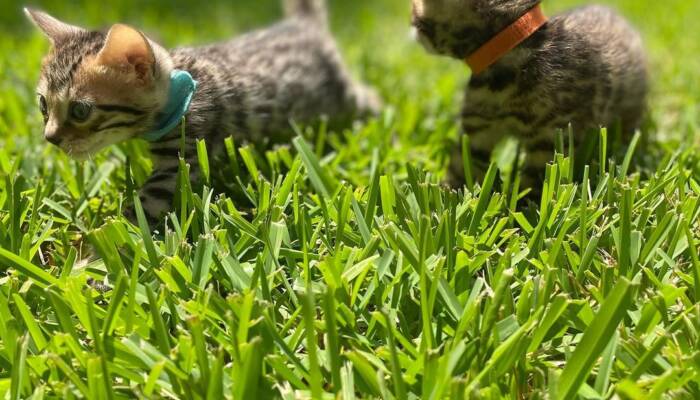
182	88
507	40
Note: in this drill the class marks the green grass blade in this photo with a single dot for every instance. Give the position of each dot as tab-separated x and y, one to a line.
594	340
25	267
19	368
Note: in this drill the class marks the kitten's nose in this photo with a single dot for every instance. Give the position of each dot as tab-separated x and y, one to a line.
52	132
53	138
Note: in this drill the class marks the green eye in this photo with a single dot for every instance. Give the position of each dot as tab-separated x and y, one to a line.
80	111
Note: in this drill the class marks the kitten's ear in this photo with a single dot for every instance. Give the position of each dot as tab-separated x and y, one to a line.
126	47
54	29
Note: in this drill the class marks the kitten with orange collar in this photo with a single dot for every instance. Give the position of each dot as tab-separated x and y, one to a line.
532	76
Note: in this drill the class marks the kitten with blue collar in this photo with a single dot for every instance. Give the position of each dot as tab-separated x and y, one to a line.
101	88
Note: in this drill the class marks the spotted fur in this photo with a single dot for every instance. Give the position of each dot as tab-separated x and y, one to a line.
586	67
250	87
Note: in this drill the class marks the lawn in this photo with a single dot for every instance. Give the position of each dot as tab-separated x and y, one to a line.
337	266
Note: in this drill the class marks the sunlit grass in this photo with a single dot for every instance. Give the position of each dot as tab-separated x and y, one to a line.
337	266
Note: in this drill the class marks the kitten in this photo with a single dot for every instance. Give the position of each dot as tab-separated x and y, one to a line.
586	67
101	88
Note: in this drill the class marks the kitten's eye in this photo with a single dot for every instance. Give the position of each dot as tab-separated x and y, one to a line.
43	107
80	111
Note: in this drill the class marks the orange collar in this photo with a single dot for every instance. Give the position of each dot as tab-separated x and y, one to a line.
507	40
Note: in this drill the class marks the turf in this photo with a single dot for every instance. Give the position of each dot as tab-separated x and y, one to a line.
337	266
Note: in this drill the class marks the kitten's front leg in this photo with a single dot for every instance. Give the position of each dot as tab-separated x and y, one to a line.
156	196
158	193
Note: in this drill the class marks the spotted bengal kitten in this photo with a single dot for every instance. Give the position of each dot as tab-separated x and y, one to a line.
101	88
586	67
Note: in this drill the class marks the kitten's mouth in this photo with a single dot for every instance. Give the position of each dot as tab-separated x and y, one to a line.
78	153
82	149
82	156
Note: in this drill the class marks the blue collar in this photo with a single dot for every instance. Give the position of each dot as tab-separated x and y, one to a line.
182	88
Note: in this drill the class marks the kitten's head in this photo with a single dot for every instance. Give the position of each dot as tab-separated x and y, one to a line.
457	28
96	88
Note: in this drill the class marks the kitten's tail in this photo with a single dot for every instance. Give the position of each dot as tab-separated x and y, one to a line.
315	9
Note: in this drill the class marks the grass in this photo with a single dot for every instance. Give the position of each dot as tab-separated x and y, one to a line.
337	266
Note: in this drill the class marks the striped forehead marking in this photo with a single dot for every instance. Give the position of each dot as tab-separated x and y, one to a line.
67	56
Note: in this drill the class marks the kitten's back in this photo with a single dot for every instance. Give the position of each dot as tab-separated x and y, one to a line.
620	54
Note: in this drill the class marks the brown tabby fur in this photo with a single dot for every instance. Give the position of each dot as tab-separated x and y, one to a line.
585	67
250	87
